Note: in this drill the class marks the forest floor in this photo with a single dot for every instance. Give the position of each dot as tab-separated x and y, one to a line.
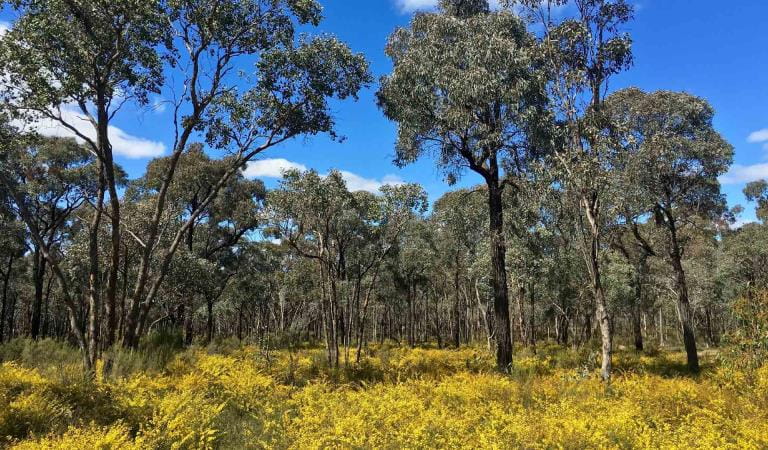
231	396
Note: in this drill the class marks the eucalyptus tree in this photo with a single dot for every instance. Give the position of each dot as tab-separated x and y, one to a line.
349	235
45	181
78	62
413	264
316	216
582	50
219	226
465	86
92	57
636	250
390	214
757	191
530	242
745	259
292	84
460	217
677	157
13	241
54	177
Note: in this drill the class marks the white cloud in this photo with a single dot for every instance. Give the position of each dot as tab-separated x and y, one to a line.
123	144
274	168
739	174
758	136
4	27
271	168
415	5
357	183
421	5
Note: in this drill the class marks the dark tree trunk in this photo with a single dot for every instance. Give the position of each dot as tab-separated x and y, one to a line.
209	322
189	332
38	275
683	303
94	273
637	306
108	177
499	276
4	306
46	304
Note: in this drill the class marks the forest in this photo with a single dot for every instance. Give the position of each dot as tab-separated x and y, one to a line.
594	289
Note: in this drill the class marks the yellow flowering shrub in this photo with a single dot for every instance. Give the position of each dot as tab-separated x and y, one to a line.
396	398
115	437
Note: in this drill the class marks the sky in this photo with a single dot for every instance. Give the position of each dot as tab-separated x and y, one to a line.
713	49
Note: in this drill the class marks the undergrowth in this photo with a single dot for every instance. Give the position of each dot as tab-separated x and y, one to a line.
231	396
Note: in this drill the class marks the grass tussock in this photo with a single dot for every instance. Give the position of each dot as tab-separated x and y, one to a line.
245	397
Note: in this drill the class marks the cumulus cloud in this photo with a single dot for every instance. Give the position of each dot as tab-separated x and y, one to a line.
271	168
739	174
4	27
275	167
758	136
357	183
123	143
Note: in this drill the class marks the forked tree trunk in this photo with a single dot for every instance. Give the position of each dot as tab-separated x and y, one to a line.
601	308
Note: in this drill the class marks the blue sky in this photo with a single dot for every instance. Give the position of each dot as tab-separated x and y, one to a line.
716	50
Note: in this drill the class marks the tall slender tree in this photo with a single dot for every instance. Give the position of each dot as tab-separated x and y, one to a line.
677	157
465	86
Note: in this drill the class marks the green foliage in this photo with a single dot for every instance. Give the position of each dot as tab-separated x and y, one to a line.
757	191
464	89
748	343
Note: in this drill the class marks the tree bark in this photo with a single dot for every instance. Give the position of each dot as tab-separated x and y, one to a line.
499	276
637	305
4	306
683	303
38	276
209	321
601	310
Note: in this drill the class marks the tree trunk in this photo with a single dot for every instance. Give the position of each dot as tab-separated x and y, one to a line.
683	303
4	306
38	276
601	310
46	303
521	313
107	175
209	321
637	305
456	307
532	321
189	332
499	277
